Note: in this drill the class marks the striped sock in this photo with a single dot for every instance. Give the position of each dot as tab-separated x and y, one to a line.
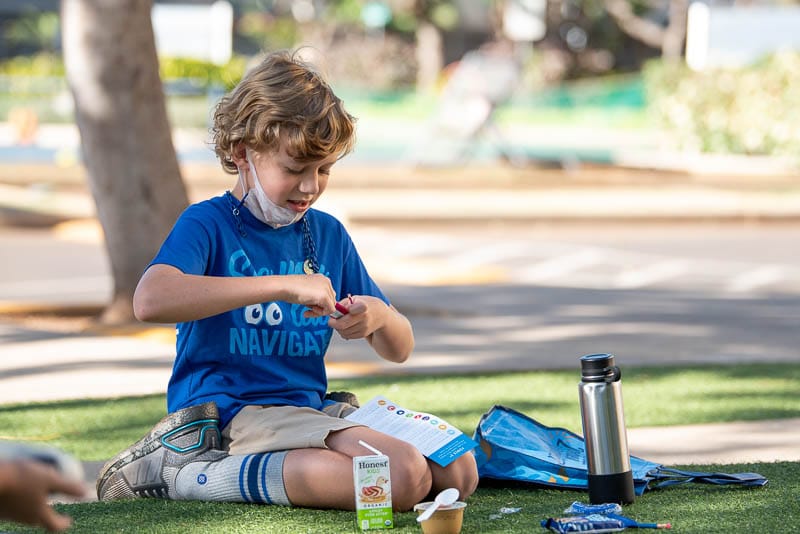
250	478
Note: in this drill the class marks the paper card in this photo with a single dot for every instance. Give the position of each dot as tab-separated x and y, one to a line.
434	437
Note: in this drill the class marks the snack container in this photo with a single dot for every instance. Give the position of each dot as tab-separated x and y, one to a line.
445	520
373	490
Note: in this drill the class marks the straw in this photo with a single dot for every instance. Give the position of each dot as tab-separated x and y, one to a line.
370	447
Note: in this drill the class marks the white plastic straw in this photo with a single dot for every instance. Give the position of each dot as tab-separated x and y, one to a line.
370	447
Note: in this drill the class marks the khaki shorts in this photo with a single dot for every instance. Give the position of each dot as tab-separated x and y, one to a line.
258	429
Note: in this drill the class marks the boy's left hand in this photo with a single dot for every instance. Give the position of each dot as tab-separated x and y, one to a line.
367	314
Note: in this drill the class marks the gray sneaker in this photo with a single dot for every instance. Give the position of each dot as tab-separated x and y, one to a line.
148	467
343	396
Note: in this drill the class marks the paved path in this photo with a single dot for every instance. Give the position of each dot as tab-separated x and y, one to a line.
427	197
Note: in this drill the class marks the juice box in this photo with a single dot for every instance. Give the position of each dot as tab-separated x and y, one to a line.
373	492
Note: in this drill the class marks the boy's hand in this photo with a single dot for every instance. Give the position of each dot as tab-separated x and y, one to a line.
367	314
313	291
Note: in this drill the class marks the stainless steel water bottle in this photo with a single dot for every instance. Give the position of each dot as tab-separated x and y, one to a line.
610	476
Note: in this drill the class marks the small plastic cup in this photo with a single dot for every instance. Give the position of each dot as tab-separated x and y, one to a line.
445	520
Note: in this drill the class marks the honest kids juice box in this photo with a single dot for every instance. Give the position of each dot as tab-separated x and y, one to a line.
373	492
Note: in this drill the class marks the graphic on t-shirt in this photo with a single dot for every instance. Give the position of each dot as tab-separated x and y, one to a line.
276	328
272	315
239	264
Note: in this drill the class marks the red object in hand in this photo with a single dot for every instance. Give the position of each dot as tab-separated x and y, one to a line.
341	311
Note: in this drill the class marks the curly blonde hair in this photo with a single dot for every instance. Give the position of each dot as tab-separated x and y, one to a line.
282	98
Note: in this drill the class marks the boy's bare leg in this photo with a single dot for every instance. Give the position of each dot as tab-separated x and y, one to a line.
319	478
461	474
323	478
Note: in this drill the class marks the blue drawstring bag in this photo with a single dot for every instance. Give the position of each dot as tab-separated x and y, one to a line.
516	448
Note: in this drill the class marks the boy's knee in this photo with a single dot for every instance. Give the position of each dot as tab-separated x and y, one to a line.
411	478
462	474
468	479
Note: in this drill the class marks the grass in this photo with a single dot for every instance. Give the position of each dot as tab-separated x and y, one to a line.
97	429
690	508
654	396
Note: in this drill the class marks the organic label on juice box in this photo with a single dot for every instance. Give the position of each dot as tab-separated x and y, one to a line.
373	492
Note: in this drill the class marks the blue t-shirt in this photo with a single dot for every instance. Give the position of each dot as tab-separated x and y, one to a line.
265	353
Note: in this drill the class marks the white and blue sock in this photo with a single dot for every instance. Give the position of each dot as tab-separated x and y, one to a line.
254	478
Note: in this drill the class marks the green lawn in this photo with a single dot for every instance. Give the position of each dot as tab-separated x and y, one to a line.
97	429
691	509
654	396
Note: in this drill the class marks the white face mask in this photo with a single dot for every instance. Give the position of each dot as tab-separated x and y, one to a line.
262	207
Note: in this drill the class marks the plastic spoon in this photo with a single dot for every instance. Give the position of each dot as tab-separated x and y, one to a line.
444	498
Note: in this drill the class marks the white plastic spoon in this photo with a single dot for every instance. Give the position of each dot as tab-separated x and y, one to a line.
444	498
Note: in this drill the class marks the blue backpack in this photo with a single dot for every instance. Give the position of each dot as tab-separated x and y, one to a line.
518	449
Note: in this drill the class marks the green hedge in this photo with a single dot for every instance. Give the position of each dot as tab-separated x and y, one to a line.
207	75
753	110
202	74
42	64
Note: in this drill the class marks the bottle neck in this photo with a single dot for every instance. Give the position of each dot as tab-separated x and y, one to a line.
607	374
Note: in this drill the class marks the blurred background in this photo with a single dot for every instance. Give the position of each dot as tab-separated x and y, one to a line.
715	76
596	173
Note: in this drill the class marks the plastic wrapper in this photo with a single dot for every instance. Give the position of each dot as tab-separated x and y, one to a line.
579	508
591	523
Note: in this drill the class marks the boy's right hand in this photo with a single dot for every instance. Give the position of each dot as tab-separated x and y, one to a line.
313	291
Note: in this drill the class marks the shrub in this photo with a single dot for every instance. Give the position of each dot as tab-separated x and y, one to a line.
752	110
202	74
42	64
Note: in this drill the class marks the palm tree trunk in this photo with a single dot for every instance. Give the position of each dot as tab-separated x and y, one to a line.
120	110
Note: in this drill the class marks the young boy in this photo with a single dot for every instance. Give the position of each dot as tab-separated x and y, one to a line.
252	279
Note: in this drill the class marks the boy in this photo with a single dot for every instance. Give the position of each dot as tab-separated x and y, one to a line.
251	278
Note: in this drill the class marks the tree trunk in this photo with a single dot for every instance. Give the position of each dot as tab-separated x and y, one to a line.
430	56
429	48
641	29
669	40
675	34
134	177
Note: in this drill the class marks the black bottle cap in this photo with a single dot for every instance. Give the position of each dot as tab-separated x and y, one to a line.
596	367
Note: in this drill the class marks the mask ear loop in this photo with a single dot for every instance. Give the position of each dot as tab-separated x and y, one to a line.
246	191
235	210
310	265
236	207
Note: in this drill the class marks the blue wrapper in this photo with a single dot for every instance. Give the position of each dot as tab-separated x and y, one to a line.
590	523
579	508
